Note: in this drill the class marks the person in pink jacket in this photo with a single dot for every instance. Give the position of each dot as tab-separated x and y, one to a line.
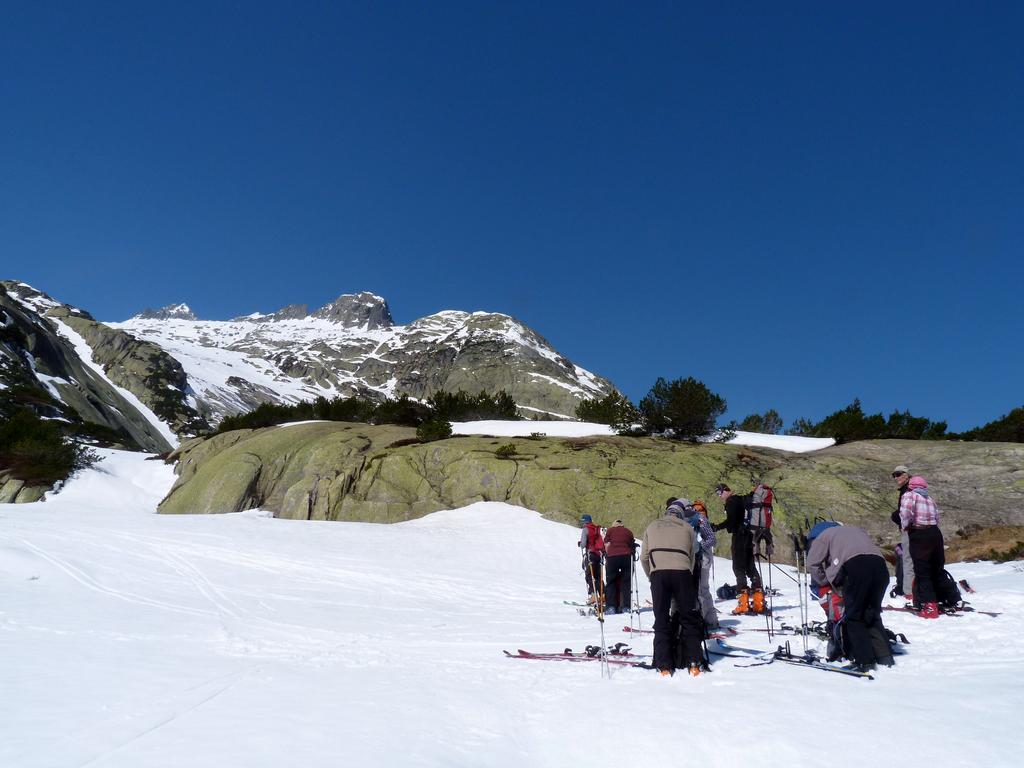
919	517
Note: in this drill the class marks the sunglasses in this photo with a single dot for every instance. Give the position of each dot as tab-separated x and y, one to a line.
898	474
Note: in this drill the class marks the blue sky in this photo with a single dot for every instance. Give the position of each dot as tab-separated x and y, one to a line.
797	203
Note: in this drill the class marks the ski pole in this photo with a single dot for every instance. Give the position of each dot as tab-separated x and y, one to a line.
803	585
778	568
606	670
599	609
635	598
756	557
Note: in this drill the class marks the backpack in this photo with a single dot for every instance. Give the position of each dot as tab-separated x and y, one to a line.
726	592
947	592
758	507
758	518
595	542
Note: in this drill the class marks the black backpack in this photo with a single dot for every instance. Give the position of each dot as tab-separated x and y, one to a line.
947	593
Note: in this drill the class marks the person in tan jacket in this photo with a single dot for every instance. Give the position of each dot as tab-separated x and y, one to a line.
667	557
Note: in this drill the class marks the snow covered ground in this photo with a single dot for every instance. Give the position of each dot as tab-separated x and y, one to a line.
788	443
130	639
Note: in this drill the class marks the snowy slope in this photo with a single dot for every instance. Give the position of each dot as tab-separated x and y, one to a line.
84	352
787	443
130	639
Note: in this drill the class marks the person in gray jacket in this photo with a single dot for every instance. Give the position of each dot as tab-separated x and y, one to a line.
904	563
667	556
845	558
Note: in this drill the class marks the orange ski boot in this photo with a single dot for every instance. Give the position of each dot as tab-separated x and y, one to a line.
742	605
758	606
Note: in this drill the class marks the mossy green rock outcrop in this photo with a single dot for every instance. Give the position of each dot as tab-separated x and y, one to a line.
339	471
15	491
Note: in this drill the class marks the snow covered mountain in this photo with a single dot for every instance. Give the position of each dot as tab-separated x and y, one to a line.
164	373
352	346
65	365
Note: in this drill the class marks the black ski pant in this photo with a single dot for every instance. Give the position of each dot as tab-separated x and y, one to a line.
899	575
743	566
592	570
617	582
929	556
667	586
864	582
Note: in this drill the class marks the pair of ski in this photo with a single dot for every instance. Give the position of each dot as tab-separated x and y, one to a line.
785	655
960	610
719	634
810	660
589	609
619	654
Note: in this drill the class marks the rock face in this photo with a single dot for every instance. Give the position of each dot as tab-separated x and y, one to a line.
39	355
170	312
363	310
14	491
337	471
351	347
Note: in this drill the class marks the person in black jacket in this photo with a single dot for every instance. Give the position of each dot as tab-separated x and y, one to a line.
743	566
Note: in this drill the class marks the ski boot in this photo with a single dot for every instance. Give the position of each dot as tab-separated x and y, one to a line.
758	604
929	611
742	605
694	669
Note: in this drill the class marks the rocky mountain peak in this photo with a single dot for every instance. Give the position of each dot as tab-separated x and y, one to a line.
291	312
170	312
360	310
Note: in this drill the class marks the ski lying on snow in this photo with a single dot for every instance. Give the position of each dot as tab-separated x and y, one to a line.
735	652
784	655
822	665
965	608
722	632
958	611
629	660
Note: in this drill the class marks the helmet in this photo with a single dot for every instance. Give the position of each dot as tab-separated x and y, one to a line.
586	519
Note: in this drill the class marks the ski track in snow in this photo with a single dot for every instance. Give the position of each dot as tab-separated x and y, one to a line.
134	639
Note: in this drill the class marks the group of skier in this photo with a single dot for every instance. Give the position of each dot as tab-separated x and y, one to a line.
847	571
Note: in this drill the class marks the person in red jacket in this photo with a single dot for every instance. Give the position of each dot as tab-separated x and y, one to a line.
592	545
619	544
